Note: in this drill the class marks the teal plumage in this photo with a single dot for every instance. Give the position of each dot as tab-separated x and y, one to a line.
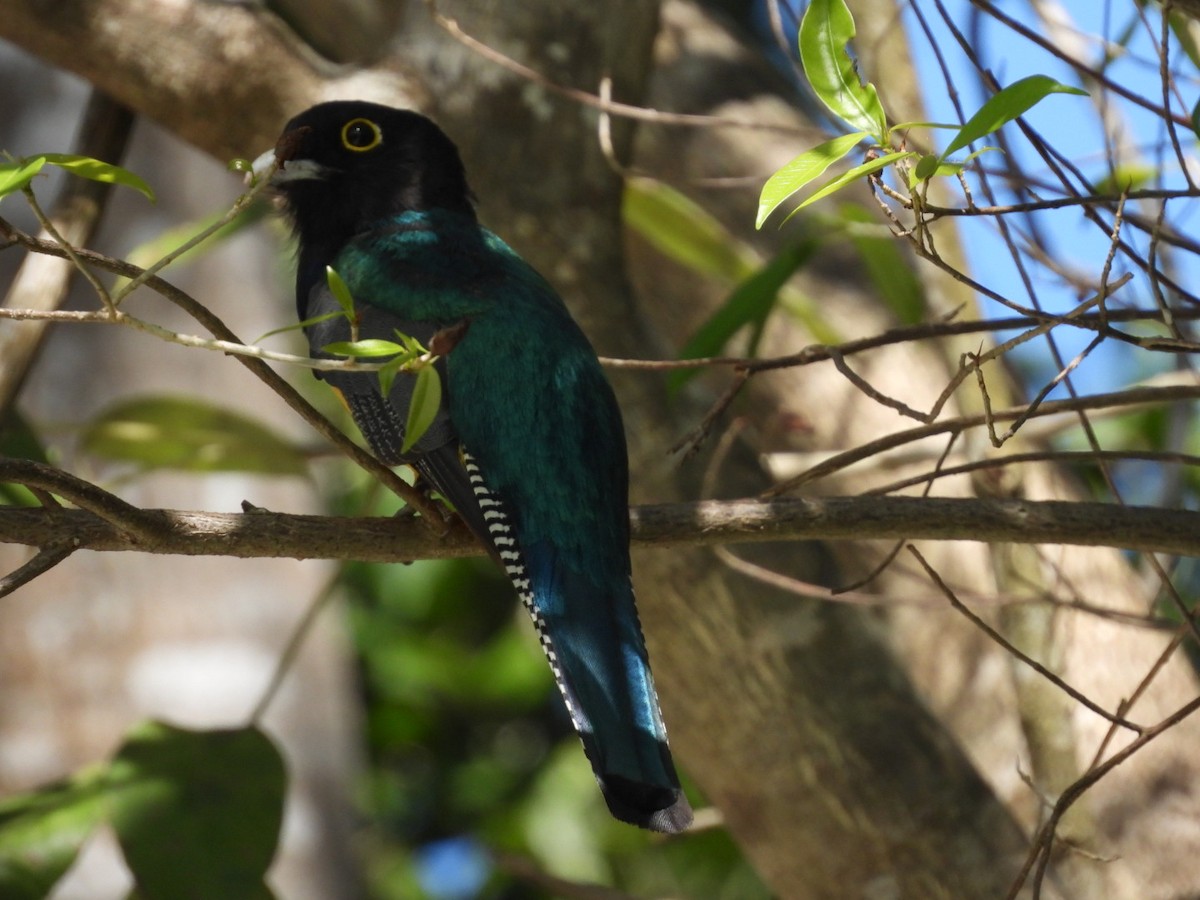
528	444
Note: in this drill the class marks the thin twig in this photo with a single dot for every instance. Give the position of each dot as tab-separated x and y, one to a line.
46	559
1018	654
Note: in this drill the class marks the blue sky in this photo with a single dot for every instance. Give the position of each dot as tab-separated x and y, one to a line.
1070	124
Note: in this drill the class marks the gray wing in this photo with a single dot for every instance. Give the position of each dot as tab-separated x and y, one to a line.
437	455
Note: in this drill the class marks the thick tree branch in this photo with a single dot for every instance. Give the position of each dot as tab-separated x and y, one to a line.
158	58
111	524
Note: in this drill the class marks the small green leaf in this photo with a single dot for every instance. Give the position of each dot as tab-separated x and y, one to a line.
94	169
18	440
240	165
189	435
942	167
387	375
1126	177
909	126
1005	106
1196	118
42	831
926	166
15	175
198	813
1181	26
801	170
167	242
412	347
840	181
367	347
340	292
299	326
825	31
749	304
423	407
682	230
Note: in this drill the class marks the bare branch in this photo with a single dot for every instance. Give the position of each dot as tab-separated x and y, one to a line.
110	524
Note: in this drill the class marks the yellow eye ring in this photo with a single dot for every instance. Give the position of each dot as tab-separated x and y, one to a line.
361	135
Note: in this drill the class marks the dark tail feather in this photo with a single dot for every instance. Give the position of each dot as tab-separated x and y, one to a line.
600	661
646	805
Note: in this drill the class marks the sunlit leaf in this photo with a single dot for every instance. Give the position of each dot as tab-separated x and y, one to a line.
825	31
424	406
368	347
189	435
1007	105
908	126
840	181
340	292
42	831
198	813
96	170
684	231
15	175
749	304
1126	177
800	171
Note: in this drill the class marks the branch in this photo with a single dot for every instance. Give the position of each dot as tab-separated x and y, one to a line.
157	58
110	524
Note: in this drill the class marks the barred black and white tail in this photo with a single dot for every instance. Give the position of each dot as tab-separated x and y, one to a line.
593	642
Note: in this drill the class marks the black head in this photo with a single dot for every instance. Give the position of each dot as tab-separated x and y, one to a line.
346	165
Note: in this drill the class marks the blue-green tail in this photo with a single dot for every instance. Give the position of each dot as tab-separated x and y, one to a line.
593	641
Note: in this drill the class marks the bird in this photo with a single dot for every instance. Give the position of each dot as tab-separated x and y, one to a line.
527	444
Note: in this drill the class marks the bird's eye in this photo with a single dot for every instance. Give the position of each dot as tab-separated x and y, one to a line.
360	135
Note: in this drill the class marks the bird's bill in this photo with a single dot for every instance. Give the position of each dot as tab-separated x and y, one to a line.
290	170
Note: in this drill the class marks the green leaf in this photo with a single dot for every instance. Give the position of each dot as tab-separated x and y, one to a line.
926	167
1126	177
932	166
749	304
889	271
1005	106
365	348
41	833
94	169
801	170
1181	26
167	242
18	440
684	231
424	406
300	326
15	175
197	813
825	31
840	181
388	372
185	434
340	292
